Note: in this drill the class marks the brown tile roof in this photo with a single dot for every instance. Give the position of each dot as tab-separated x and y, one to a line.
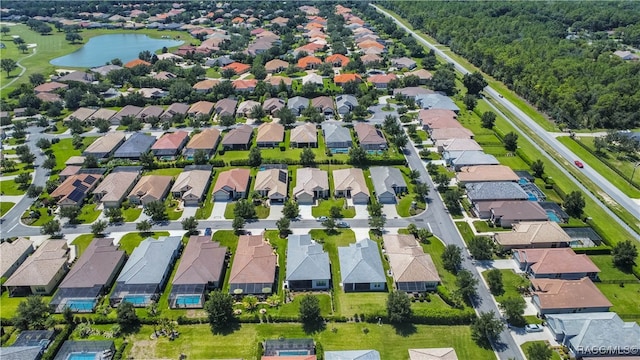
12	251
273	104
171	140
275	65
207	84
102	113
305	133
433	354
337	58
201	263
227	105
136	62
238	68
439	119
150	111
270	132
235	179
345	78
421	73
81	114
557	261
276	80
309	180
206	140
352	178
69	170
408	260
451	133
382	78
192	183
50	86
201	108
151	186
115	186
322	102
458	144
241	84
370	58
42	265
240	135
306	61
368	134
49	97
486	173
529	233
106	143
273	181
254	262
568	294
518	210
96	265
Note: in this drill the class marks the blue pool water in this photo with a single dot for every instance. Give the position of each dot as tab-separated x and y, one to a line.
293	352
82	356
523	181
188	300
552	216
81	304
532	197
101	49
136	299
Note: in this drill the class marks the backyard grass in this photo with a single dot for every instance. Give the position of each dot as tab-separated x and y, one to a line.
64	149
324	206
525	346
196	341
131	214
512	282
9	305
280	245
625	299
9	187
5	206
261	211
465	231
608	271
484	226
292	309
89	213
81	243
166	172
130	241
230	240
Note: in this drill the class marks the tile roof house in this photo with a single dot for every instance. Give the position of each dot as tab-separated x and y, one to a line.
206	85
128	110
305	135
555	296
169	145
242	85
432	119
369	59
350	183
150	188
412	91
458	145
433	354
311	184
238	68
42	271
309	62
232	184
201	270
273	105
276	81
136	145
413	270
175	109
369	137
308	265
337	60
352	355
201	109
116	186
437	101
451	133
75	189
207	140
226	107
49	97
273	184
254	266
346	103
422	74
147	271
382	81
49	87
245	107
460	159
486	173
136	62
508	213
276	66
555	264
312	78
238	138
595	335
540	234
388	182
495	191
297	104
77	76
152	111
361	267
342	79
105	145
191	186
90	277
81	114
270	135
337	138
13	255
403	62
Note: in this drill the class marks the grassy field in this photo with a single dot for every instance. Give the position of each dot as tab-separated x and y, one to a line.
9	187
81	243
528	344
625	299
261	211
484	226
512	282
131	240
324	206
9	305
64	149
166	172
623	164
608	271
5	206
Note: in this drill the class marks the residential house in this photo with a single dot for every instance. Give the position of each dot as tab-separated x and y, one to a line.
136	145
106	69
350	183
244	86
105	145
191	185
49	97
324	104
457	145
207	140
352	355
337	138
388	182
413	270
436	101
102	113
226	107
232	184
346	103
238	68
555	296
270	135
450	133
371	59
77	76
508	213
309	62
75	189
305	135
238	138
482	194
337	60
626	55
50	87
201	270
342	79
459	159
173	110
361	267
81	114
312	78
273	105
595	335
433	354
14	253
90	277
127	111
297	104
150	188
277	349
148	112
164	75
147	271
245	108
412	91
276	66
533	234
201	109
432	119
116	186
254	266
369	137
277	81
560	263
403	63
486	173
153	93
205	86
169	145
382	81
136	62
273	184
42	271
311	184
308	265
421	74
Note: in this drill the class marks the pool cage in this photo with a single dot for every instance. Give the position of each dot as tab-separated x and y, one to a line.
187	296
82	300
139	295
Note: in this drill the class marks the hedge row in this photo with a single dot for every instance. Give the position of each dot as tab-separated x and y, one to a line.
57	343
596	250
444	294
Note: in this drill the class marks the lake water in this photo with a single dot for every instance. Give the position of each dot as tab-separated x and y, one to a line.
101	49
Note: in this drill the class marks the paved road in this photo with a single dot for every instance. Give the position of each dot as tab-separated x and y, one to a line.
614	193
21	67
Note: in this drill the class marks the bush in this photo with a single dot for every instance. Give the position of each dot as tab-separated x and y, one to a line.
596	250
444	294
57	343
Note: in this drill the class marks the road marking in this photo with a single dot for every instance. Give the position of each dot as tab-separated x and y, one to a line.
13	227
430	230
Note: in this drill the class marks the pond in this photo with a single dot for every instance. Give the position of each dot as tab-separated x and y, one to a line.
101	49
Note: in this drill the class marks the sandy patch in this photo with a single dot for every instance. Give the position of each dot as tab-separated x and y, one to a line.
4	23
31	46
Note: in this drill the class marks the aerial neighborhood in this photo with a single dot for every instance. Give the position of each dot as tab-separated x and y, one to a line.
262	180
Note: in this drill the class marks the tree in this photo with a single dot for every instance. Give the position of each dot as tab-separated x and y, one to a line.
537	167
250	302
421	189
102	125
335	212
283	225
73	97
244	209
34	191
310	313
8	65
481	247
156	210
257	112
466	284
22	180
539	351
307	157
286	116
291	210
70	212
329	224
67	315
36	79
444	79
494	281
90	161
470	101
452	201
488	119
32	313
255	157
77	141
400	141
73	37
377	222
226	120
114	214
127	317
574	204
399	307
414	175
442	181
510	141
23	48
600	143
237	224
474	82
374	209
143	226
452	258
227	73
200	157
5	30
486	328
43	144
148	160
357	156
624	255
219	310
51	227
153	312
190	224
513	309
49	163
99	227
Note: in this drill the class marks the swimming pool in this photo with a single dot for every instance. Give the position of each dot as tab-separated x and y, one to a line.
188	300
136	300
82	356
293	352
553	216
81	305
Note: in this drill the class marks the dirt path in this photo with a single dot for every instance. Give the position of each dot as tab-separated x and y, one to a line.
21	67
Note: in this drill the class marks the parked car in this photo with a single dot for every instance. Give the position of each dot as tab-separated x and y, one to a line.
578	164
342	224
207	232
531	328
321	218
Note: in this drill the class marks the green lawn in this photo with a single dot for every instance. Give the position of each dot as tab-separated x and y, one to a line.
625	299
64	149
465	230
512	282
608	271
89	213
20	168
230	240
261	211
130	241
212	73
280	245
81	243
9	305
485	226
131	214
404	205
293	308
5	206
172	208
325	205
9	187
166	172
528	344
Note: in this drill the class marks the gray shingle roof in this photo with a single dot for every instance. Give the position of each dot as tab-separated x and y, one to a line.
361	263
386	179
346	99
495	191
335	133
306	260
136	145
150	260
352	355
436	101
469	158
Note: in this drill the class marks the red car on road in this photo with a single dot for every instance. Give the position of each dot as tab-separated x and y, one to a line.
578	164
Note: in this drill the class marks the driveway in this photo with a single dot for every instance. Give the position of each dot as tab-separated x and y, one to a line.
361	210
378	114
390	211
520	336
498	264
188	211
218	210
275	212
305	212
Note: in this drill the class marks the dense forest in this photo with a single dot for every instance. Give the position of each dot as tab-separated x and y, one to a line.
557	55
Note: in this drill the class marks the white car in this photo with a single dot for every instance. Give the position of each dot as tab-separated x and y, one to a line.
321	218
531	328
